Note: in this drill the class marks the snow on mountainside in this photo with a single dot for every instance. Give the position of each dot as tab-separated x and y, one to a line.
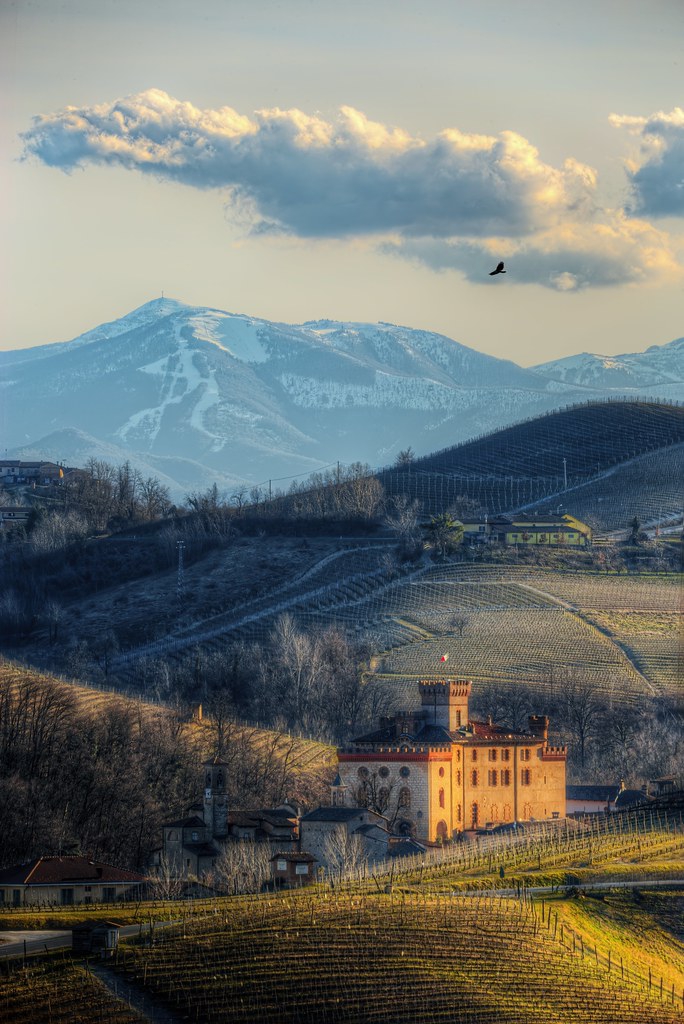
658	365
237	397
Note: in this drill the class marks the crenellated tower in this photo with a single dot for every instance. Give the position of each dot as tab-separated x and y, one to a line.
445	702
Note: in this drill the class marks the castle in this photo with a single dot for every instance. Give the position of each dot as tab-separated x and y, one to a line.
435	773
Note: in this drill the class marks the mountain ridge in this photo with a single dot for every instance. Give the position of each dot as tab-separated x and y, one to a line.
247	399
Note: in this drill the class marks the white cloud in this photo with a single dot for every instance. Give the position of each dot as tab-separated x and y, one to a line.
657	175
570	257
453	201
312	177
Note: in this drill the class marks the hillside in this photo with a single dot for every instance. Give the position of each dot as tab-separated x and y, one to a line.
542	457
309	958
101	771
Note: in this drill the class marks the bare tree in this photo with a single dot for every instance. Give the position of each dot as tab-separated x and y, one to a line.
166	882
343	853
241	867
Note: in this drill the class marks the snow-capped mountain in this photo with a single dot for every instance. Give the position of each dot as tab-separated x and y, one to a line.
658	366
195	390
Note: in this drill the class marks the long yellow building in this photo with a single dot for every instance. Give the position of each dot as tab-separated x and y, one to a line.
542	529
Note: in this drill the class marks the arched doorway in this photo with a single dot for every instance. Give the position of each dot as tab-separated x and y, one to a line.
442	831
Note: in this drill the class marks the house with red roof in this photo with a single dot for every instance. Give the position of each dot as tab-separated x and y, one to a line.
64	881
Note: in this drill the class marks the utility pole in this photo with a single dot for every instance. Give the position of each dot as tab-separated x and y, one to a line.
181	574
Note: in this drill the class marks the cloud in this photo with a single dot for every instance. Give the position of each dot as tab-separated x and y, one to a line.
657	176
571	257
312	177
450	201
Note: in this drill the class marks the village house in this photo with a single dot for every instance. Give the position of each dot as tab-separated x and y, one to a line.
434	772
326	830
290	870
191	845
540	529
582	800
18	472
64	881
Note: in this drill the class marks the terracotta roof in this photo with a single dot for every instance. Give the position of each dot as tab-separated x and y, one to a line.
72	870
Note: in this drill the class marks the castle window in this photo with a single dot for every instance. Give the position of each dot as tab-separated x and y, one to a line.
404	797
404	772
525	754
441	798
492	754
458	812
494	812
458	778
507	812
441	773
505	754
474	755
493	777
525	777
383	772
458	755
219	780
474	814
473	777
505	777
362	773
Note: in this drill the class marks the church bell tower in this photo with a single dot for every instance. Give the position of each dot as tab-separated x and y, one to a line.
215	798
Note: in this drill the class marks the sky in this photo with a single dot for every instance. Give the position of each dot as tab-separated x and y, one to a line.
364	161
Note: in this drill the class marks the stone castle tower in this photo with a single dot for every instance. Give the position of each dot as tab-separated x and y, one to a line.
445	702
215	798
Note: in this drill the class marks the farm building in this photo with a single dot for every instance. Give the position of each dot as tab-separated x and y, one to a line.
434	773
547	530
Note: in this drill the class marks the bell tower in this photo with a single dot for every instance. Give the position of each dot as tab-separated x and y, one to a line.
216	798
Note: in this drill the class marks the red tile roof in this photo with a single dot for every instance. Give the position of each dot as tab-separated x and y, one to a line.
72	870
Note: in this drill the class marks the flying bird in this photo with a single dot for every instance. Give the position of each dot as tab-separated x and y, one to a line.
499	270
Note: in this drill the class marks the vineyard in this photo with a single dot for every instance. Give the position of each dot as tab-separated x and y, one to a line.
399	947
498	623
648	487
532	461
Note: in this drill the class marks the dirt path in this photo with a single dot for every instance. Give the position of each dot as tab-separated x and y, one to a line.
138	998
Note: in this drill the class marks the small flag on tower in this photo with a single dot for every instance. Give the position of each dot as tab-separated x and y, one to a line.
445	657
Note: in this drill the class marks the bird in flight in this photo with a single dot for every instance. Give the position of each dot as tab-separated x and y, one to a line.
499	270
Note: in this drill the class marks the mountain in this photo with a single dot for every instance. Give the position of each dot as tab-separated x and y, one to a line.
74	447
659	366
224	396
